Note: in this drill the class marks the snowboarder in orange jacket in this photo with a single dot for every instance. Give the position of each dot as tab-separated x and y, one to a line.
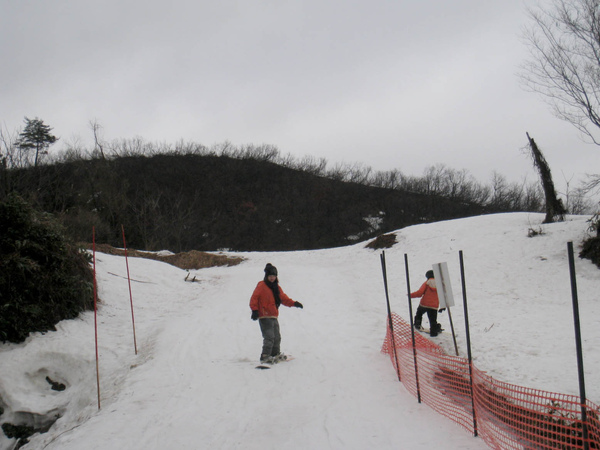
429	304
264	303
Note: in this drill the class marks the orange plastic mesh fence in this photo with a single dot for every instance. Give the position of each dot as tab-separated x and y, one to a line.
506	416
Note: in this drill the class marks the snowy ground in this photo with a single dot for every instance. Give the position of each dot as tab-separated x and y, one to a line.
193	385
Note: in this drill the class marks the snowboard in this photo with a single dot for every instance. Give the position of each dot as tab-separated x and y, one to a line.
268	366
426	330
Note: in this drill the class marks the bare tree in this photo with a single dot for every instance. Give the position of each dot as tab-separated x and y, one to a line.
579	203
576	199
359	173
391	179
14	156
312	165
6	145
339	171
501	195
98	143
564	64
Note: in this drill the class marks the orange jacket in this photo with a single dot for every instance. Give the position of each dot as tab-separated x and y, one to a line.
263	300
429	293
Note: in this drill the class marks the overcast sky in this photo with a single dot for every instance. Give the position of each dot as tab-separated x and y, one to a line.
392	84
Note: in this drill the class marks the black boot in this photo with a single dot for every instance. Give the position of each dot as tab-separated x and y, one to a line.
435	329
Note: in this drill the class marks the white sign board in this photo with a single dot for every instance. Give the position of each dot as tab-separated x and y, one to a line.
442	283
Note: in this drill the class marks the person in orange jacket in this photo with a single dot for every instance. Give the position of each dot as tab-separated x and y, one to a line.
264	303
429	304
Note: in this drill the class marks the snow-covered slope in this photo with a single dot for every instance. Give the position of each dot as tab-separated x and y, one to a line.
193	385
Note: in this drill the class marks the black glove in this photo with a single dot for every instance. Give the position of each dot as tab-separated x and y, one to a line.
298	305
254	315
442	310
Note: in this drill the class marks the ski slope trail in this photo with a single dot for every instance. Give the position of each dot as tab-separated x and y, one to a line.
193	383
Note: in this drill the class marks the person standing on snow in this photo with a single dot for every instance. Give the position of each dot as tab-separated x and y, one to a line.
264	303
429	304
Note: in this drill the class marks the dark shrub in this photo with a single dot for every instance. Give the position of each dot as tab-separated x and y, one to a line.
591	250
44	278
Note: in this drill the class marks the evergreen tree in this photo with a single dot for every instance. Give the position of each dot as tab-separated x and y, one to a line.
44	277
36	135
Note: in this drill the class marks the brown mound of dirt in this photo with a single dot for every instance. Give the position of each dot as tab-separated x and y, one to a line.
191	260
382	241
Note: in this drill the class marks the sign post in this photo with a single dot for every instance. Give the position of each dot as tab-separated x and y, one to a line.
445	295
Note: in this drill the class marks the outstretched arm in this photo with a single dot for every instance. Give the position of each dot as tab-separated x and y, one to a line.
288	301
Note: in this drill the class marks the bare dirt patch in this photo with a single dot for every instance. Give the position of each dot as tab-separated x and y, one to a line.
192	260
382	241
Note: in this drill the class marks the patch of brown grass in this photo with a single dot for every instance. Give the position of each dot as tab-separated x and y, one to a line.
192	260
382	241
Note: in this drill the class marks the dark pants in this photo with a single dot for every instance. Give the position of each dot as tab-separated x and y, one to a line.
271	336
431	315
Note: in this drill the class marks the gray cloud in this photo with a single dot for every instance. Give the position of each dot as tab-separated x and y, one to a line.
391	84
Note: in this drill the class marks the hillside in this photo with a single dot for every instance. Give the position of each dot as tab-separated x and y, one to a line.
193	383
205	202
